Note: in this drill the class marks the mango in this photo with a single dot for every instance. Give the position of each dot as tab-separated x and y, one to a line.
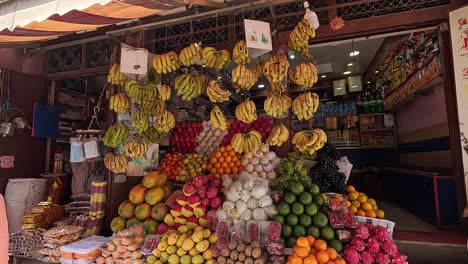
197	236
173	259
181	252
202	245
164	257
193	252
171	249
162	246
181	239
187	259
172	239
198	259
206	233
157	252
188	244
137	194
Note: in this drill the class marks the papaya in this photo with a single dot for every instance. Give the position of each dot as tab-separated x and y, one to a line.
143	211
126	209
118	224
159	210
167	191
153	179
137	194
132	221
151	226
154	195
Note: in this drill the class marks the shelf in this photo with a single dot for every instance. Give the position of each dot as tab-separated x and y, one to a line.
367	147
377	129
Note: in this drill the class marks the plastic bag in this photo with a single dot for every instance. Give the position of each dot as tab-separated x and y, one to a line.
344	166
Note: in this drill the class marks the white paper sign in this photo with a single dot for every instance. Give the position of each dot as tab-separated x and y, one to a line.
258	37
133	60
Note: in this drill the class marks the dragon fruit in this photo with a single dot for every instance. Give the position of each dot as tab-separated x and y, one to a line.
200	181
358	244
382	258
203	221
194	200
399	259
162	228
182	200
215	182
370	227
373	245
389	247
212	192
216	202
201	191
367	258
205	202
176	210
362	232
189	189
351	255
192	222
187	211
381	233
200	210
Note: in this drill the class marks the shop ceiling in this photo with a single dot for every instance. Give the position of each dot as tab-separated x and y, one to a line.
119	18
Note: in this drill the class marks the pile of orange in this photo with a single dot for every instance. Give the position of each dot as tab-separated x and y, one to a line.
171	166
309	250
362	205
224	161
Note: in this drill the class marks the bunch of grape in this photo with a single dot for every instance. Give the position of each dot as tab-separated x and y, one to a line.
325	174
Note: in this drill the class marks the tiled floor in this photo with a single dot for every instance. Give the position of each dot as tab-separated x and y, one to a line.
424	254
404	219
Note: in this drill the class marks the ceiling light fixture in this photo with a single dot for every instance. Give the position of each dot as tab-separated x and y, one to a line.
368	81
261	85
376	71
323	76
354	53
347	72
292	56
350	64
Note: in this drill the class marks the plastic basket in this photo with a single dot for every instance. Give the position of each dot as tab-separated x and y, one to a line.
377	222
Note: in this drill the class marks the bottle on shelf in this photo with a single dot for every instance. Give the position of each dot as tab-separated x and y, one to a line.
372	103
366	105
380	101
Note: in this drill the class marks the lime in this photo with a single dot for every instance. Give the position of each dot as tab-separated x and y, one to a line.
324	209
292	220
327	233
286	231
336	244
283	209
305	220
278	218
320	220
318	200
314	189
299	231
290	198
305	198
282	241
313	231
290	242
311	209
296	188
297	208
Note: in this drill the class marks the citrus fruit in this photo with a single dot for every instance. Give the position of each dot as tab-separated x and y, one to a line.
352	196
327	233
350	188
314	190
360	213
336	244
305	198
311	209
290	242
297	208
313	231
320	220
366	206
372	201
356	204
286	231
353	209
320	245
371	214
299	231
305	220
283	209
318	200
290	198
292	220
296	188
380	214
278	218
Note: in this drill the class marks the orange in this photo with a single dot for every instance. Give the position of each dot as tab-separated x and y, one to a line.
353	196
224	164
302	242
340	261
222	149
227	170
295	259
234	158
232	153
213	170
220	159
371	214
232	164
311	240
372	202
227	158
366	206
238	163
353	209
320	245
228	147
380	214
209	166
313	251
217	165
322	257
356	204
361	213
225	153
348	203
338	196
234	170
332	253
217	154
350	188
220	170
310	260
213	160
301	251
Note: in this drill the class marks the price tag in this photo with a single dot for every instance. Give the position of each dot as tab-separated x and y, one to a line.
258	37
133	60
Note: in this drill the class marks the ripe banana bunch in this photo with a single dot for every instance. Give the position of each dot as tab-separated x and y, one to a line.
116	135
190	55
240	54
278	135
120	103
218	119
246	111
276	68
115	76
165	92
166	63
140	93
165	122
153	108
305	105
245	143
277	106
140	121
299	37
216	94
243	77
135	149
117	163
258	68
275	89
304	74
215	58
152	135
309	140
189	86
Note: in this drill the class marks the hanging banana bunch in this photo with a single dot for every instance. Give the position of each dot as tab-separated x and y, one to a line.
276	68
305	105
217	59
246	111
164	122
240	54
304	74
190	55
216	94
119	103
115	76
299	37
166	63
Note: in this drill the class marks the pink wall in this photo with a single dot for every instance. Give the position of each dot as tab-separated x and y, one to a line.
423	112
17	60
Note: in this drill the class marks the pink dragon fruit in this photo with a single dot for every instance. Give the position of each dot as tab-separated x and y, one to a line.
373	245
205	202
389	247
201	191
381	233
162	229
216	202
176	210
200	210
370	227
399	259
358	244
194	200
200	181
182	200
382	258
192	222
367	258
362	232
351	255
203	221
212	192
187	211
215	182
189	189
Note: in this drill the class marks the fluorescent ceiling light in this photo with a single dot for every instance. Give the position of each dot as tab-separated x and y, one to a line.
323	76
350	64
368	81
261	85
292	56
347	72
354	53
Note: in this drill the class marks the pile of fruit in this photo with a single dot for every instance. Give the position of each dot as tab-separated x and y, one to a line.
303	212
240	252
224	161
184	245
145	204
261	163
309	250
124	247
209	139
246	199
261	124
372	244
189	86
194	164
182	139
361	205
200	195
171	166
325	173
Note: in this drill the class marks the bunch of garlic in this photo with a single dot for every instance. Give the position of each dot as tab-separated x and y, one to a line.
261	163
209	139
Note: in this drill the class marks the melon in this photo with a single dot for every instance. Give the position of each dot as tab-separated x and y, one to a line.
118	224
143	211
137	194
159	210
154	195
126	209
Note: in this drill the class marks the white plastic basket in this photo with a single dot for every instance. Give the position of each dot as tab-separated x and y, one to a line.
377	222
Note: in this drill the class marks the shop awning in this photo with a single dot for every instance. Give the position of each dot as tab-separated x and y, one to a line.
24	21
